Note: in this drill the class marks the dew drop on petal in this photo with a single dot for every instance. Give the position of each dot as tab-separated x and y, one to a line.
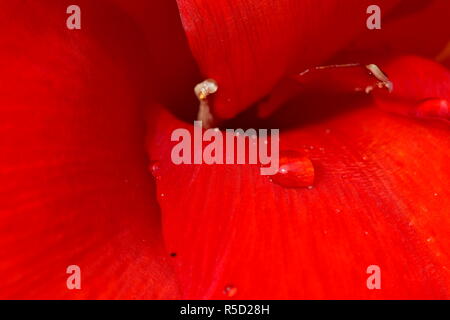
434	108
154	168
295	170
230	291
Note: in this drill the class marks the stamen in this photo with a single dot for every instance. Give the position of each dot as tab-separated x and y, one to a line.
334	66
381	76
341	78
202	91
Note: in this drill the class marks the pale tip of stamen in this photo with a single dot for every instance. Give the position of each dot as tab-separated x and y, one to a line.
206	88
202	91
381	76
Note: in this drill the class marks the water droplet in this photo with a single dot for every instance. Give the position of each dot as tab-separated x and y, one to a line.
230	291
338	211
162	195
366	233
436	194
430	239
295	171
154	168
434	108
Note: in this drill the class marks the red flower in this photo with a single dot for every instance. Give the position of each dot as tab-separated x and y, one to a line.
76	107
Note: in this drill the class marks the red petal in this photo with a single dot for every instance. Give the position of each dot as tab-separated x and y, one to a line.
74	186
248	46
381	197
421	88
424	31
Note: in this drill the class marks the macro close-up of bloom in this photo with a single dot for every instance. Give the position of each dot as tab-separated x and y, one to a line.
95	96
